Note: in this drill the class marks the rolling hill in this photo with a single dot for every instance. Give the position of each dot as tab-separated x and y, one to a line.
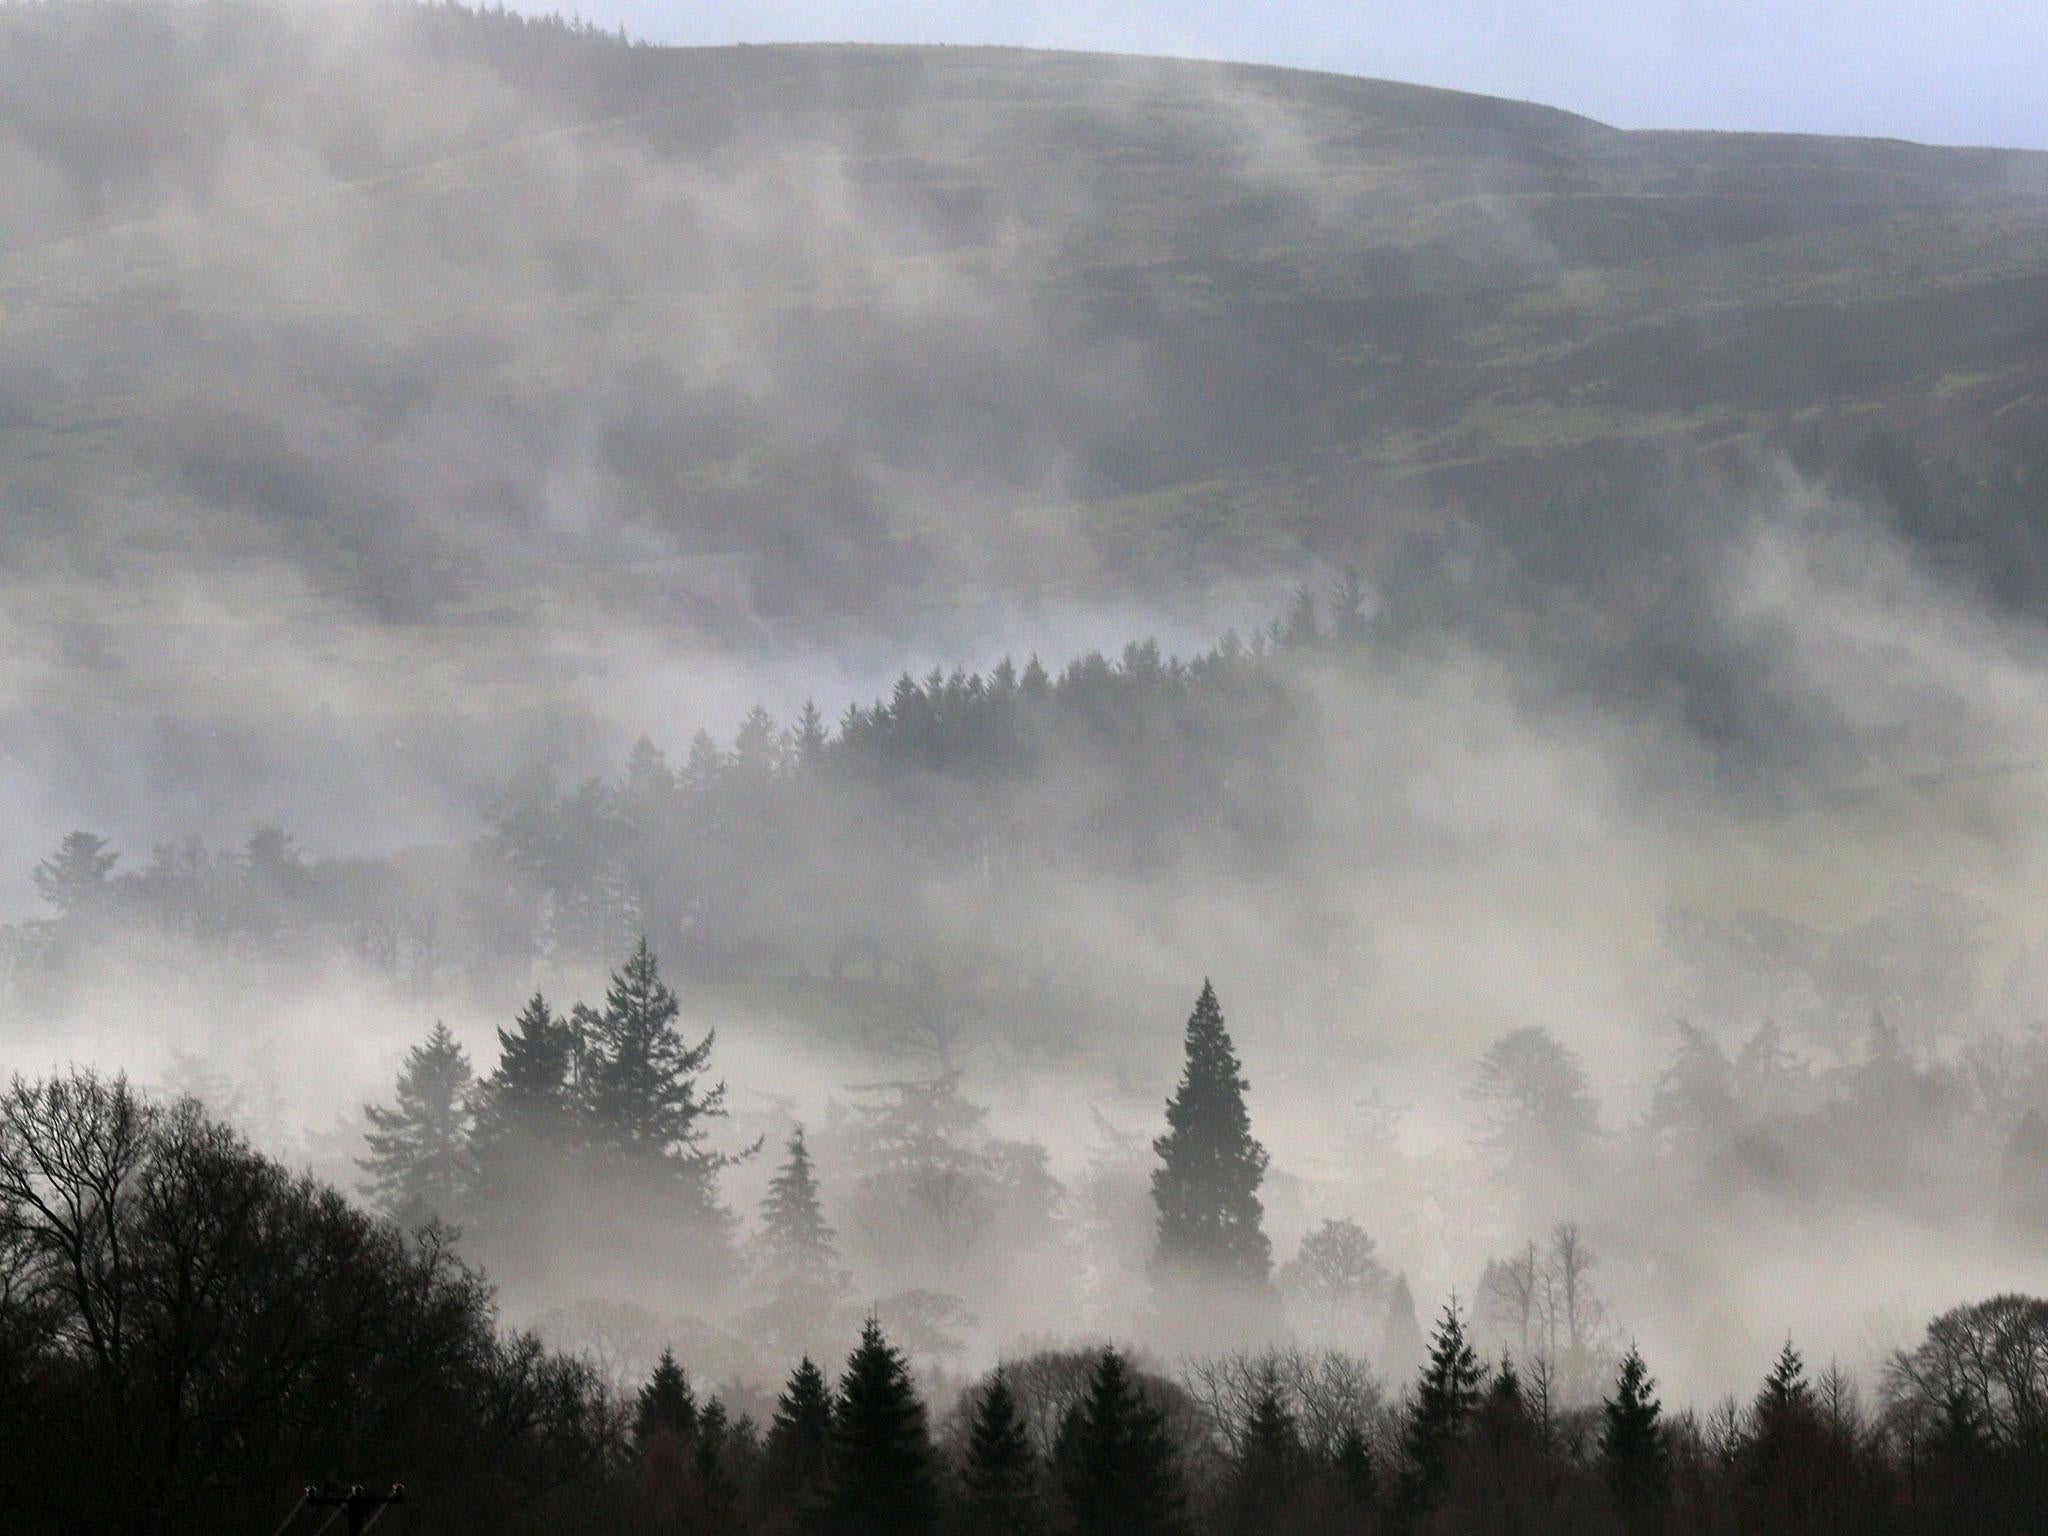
417	365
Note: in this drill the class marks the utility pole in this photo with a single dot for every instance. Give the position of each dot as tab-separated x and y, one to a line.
359	1504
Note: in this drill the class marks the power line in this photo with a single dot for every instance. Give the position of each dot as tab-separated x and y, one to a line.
362	1507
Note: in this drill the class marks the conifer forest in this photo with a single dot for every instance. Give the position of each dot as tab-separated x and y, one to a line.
766	780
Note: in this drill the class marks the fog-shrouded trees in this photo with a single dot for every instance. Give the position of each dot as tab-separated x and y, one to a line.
646	1105
1210	1234
999	1484
74	880
524	1144
1335	1287
801	1285
1540	1115
1441	1409
882	1477
800	1437
1633	1453
419	1148
1117	1466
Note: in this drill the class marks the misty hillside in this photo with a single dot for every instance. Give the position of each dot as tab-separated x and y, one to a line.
453	384
438	318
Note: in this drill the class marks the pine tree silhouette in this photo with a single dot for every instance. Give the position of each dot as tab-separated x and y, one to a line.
799	1265
645	1103
1206	1189
1441	1410
999	1482
1632	1445
801	1431
666	1409
419	1149
1357	1476
880	1465
1118	1469
1267	1466
525	1115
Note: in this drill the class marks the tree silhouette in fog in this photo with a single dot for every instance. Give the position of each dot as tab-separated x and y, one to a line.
419	1150
1206	1188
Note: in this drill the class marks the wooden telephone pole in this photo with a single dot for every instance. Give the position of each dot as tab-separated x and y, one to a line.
359	1504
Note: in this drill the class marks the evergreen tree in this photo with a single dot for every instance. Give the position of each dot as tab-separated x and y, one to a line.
1631	1439
1206	1188
801	1432
1694	1100
74	878
711	1460
1356	1475
1783	1427
1000	1480
800	1269
1268	1461
881	1480
644	1100
1442	1407
666	1408
419	1148
810	738
1117	1465
525	1116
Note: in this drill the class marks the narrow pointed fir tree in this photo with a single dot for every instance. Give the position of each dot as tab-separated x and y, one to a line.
666	1409
799	1265
418	1160
645	1100
880	1465
525	1115
1441	1410
1117	1464
1632	1448
801	1431
1206	1188
999	1483
1268	1462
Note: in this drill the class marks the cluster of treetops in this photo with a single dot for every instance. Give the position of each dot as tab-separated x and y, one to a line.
766	857
190	1335
595	1125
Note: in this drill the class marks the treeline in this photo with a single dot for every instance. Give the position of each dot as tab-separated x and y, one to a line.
189	1335
598	1138
901	842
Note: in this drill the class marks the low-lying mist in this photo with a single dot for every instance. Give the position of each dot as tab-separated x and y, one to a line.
1630	880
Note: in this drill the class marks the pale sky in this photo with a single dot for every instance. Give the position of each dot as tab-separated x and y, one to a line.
1942	71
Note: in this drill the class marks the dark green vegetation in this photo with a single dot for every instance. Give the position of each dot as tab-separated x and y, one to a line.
188	1334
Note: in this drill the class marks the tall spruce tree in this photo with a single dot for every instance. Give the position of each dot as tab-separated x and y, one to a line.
800	1434
1632	1448
1117	1464
1441	1410
1266	1471
666	1409
525	1112
999	1483
645	1101
881	1479
1206	1189
800	1274
418	1159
